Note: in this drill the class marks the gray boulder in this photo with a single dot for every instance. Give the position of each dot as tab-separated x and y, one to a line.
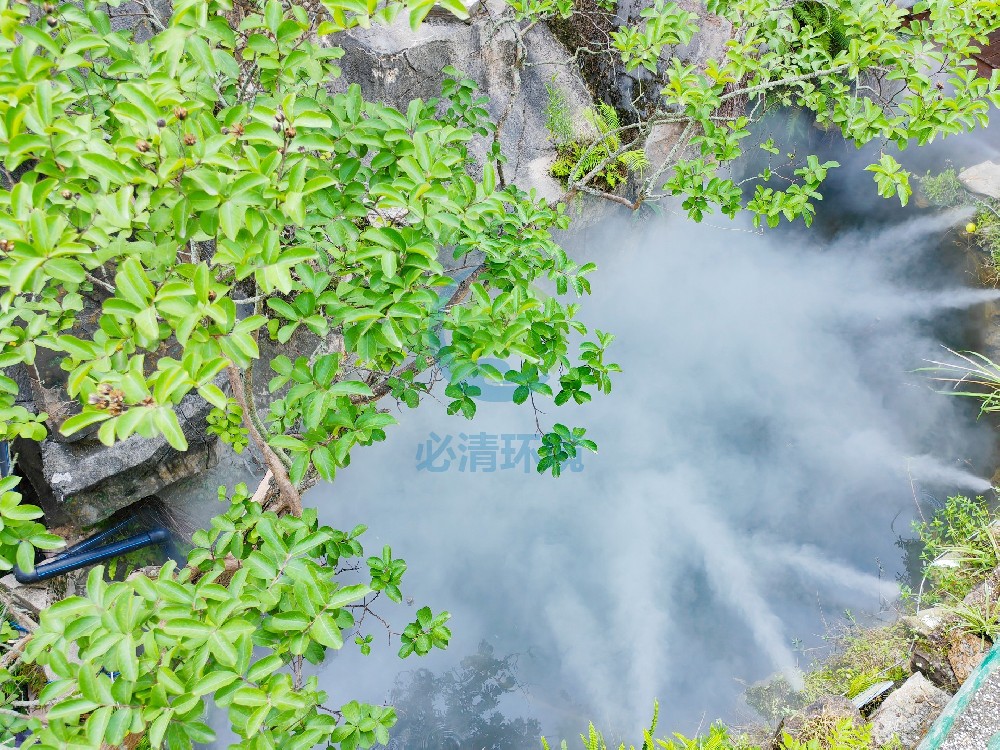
982	179
84	481
908	712
395	65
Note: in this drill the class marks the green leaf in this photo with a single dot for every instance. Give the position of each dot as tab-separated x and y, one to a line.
26	557
166	421
213	681
325	631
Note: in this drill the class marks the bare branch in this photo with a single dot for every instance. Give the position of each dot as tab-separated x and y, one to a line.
291	500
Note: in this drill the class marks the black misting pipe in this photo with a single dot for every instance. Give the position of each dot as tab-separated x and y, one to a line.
81	555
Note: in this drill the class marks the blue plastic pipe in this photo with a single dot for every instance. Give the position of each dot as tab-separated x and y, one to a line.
83	558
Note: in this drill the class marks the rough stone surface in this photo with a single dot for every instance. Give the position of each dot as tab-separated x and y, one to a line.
908	712
930	658
965	651
928	622
86	481
982	179
987	590
930	649
395	65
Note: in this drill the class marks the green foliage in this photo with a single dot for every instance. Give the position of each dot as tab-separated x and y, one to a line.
817	734
561	445
987	230
961	531
20	533
862	657
558	116
603	156
228	425
891	179
824	24
665	23
180	198
179	194
944	188
829	60
859	657
534	9
981	617
973	375
258	593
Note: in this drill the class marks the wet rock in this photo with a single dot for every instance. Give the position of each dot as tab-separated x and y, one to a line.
908	712
982	179
931	659
965	651
930	627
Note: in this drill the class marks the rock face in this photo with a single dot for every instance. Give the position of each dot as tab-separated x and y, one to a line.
930	648
636	92
395	65
84	481
965	651
908	712
982	179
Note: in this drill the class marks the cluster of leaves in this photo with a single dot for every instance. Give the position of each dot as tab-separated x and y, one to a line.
665	24
258	593
869	69
944	188
158	187
178	199
821	20
228	425
20	533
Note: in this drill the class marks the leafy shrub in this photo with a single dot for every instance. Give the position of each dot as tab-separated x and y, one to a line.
944	188
961	530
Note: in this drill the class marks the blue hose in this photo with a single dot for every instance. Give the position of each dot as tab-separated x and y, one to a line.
81	558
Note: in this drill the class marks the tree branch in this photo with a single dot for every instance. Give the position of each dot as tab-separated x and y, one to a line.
290	498
783	82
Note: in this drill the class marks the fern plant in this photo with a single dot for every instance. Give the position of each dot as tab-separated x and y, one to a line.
831	35
578	157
